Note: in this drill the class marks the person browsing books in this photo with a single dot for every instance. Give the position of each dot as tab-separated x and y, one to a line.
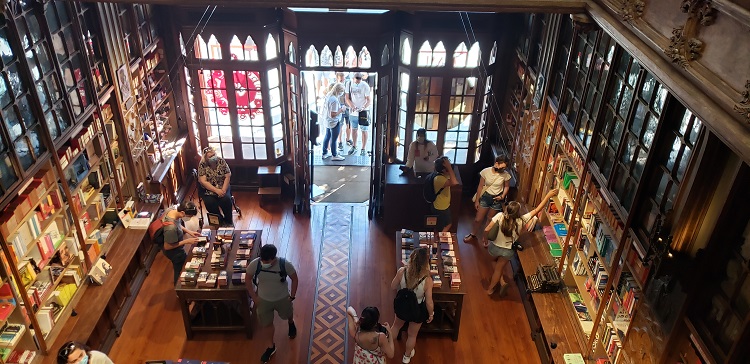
416	277
510	224
74	352
494	184
266	274
374	342
174	235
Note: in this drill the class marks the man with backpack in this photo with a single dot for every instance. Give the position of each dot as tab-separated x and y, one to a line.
269	274
441	181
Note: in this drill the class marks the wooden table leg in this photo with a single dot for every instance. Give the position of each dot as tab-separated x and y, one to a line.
247	316
185	306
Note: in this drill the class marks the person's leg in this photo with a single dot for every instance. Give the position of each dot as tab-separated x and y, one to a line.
448	220
212	204
178	257
286	312
226	208
497	274
334	135
397	325
411	340
364	138
326	141
354	119
264	311
476	225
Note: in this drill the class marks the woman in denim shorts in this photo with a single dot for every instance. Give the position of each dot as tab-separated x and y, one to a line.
493	187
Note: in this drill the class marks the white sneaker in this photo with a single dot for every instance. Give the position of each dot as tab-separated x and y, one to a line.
338	158
326	155
352	150
407	359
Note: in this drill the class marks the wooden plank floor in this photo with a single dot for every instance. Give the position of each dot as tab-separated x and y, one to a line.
492	331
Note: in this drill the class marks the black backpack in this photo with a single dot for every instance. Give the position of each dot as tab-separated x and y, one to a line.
281	272
405	304
428	190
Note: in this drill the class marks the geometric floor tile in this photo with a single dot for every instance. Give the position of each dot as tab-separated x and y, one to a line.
328	340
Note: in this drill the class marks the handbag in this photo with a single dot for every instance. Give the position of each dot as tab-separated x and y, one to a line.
363	119
492	234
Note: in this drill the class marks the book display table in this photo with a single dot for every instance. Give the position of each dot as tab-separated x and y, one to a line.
447	293
217	306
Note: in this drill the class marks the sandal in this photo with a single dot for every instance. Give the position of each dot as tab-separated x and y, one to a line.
469	237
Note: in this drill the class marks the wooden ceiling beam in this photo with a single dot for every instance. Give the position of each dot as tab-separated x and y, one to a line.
504	6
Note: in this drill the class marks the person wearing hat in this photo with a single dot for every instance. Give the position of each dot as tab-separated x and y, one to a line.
358	100
213	175
422	154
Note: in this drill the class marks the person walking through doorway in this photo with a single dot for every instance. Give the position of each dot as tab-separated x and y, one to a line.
340	78
333	110
358	99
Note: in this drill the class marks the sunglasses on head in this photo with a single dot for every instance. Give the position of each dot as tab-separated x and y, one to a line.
66	351
357	78
207	149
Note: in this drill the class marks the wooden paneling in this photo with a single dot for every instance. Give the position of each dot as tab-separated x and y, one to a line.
496	325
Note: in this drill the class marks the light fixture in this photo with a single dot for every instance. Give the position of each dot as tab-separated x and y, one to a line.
338	10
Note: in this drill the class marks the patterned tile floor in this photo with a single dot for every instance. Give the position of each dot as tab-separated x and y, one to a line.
328	339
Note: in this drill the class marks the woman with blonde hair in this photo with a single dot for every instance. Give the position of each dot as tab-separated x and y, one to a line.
415	277
332	111
510	221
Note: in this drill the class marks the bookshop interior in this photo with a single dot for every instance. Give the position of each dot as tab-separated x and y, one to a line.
634	113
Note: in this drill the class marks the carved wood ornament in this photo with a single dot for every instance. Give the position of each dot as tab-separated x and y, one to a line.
743	107
684	45
632	10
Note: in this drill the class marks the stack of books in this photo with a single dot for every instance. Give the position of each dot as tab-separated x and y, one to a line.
211	280
238	278
437	282
195	264
19	356
10	334
199	251
239	265
247	239
188	278
455	280
223	282
218	258
206	233
244	253
202	279
225	233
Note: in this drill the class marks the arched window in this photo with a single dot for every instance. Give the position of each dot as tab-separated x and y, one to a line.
350	58
424	58
385	56
311	57
473	59
364	58
210	50
493	53
291	53
459	56
406	52
326	57
243	52
438	55
338	58
271	51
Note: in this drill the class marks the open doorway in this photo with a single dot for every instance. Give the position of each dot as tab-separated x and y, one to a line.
347	178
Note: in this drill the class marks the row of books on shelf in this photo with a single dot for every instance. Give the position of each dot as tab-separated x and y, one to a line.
76	144
604	242
10	335
611	342
550	237
605	212
628	294
39	195
17	356
49	314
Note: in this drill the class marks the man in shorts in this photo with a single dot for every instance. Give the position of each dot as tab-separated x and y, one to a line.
272	295
358	99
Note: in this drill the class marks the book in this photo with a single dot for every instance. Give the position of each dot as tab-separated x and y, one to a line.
99	271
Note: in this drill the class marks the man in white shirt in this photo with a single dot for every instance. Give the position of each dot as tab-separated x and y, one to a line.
422	154
358	100
342	79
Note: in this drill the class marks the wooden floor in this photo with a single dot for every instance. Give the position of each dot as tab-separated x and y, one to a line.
492	330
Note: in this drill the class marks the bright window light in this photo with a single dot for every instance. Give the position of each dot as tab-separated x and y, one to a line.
326	10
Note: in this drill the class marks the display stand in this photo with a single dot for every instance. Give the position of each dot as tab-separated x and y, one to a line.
218	308
448	301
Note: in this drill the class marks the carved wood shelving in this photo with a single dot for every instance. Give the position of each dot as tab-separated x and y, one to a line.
684	45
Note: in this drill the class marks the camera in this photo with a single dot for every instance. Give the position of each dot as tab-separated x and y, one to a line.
517	246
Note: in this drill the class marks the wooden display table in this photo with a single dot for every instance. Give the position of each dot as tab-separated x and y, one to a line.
219	308
552	328
404	204
448	301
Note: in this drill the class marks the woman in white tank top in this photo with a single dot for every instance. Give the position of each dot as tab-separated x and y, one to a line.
415	276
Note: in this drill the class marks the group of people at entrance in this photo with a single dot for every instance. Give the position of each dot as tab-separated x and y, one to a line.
346	105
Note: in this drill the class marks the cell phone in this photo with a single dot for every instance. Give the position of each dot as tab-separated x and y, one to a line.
382	329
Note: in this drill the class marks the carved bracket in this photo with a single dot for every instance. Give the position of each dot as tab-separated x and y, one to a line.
743	107
684	45
683	50
632	10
